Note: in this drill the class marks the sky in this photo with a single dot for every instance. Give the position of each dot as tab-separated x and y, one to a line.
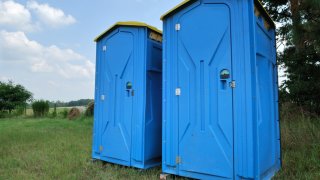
47	45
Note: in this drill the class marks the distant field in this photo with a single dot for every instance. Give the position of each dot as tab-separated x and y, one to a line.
59	109
61	149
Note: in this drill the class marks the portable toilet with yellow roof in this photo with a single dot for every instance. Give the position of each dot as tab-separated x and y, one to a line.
220	91
127	111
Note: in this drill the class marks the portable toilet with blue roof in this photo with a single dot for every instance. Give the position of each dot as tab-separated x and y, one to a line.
220	91
127	111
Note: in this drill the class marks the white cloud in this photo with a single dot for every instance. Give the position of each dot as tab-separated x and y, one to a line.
16	47
50	16
32	16
50	72
15	15
4	78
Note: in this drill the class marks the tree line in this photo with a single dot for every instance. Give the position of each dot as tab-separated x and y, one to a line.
80	102
298	32
15	96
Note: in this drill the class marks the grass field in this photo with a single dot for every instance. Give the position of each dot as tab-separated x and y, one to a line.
61	149
55	149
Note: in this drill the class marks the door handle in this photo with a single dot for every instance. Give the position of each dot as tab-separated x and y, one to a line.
224	76
129	89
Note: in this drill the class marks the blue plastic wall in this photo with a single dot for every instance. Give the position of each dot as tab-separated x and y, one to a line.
127	121
267	100
211	130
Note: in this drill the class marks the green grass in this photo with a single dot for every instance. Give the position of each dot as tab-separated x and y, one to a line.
55	149
300	137
61	149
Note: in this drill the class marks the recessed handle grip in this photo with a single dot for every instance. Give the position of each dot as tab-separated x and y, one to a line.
128	85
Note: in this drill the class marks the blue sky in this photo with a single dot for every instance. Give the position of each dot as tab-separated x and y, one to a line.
47	45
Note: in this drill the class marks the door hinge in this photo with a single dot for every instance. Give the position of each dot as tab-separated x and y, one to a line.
178	91
101	148
178	160
177	27
233	84
104	48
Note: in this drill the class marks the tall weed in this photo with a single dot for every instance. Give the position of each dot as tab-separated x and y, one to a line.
300	140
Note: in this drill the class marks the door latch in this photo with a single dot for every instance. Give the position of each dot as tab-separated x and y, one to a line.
178	91
233	84
177	27
178	160
129	89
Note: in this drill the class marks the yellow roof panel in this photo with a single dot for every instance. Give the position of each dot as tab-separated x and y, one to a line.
185	2
175	8
127	23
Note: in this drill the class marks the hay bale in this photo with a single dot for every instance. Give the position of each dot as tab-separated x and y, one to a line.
90	109
74	113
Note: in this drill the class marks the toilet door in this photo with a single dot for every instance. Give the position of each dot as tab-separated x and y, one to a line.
119	84
204	93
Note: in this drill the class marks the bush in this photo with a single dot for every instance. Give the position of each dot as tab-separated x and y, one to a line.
54	113
20	110
64	113
40	108
4	114
74	113
90	109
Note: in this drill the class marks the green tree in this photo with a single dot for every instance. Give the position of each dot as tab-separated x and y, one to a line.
13	95
299	32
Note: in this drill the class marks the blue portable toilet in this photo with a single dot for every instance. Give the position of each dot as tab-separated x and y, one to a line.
127	114
220	91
